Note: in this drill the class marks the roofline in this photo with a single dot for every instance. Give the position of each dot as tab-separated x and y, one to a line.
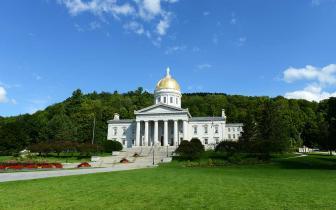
234	124
121	121
180	110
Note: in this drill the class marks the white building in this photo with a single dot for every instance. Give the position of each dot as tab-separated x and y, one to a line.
166	124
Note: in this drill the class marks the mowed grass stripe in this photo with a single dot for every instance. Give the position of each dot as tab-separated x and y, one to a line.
176	187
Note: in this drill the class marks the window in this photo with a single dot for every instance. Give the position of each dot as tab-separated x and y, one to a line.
216	129
159	99
171	100
216	140
206	129
229	136
233	129
124	131
164	99
115	131
195	130
205	141
234	136
229	129
176	100
124	141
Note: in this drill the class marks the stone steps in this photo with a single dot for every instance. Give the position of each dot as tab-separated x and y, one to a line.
145	156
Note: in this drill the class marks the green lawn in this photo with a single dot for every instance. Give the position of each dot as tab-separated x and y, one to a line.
285	184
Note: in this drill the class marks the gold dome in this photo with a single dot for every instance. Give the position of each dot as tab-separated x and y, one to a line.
168	83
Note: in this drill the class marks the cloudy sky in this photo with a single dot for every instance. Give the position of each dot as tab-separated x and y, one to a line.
49	48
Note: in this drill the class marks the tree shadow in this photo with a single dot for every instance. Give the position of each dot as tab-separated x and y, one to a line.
320	162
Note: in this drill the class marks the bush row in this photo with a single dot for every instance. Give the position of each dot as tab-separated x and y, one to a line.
84	149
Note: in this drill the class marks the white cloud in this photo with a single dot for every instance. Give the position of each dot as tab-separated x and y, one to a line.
241	41
215	39
37	77
310	93
325	75
318	79
4	98
97	7
174	49
204	66
94	25
152	7
233	20
196	49
315	2
3	95
151	12
135	27
206	13
163	25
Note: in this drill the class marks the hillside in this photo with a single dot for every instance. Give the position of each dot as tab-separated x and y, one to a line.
72	119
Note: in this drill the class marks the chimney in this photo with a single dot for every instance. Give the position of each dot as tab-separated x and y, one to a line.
223	114
116	116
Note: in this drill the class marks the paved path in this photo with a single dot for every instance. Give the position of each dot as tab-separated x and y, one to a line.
15	176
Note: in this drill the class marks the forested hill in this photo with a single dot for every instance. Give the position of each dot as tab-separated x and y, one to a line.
72	120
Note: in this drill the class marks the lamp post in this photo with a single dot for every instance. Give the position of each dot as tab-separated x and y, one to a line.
153	154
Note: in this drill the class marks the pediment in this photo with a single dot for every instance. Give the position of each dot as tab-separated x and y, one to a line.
160	108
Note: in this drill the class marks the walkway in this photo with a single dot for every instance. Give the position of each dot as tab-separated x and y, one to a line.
15	176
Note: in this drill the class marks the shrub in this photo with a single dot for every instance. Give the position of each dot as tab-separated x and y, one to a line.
86	149
190	150
84	165
110	146
41	148
229	147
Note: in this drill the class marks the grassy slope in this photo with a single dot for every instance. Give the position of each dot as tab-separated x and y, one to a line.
171	187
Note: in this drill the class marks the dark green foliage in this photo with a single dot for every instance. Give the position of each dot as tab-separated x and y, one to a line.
249	128
281	124
190	150
110	146
85	149
229	147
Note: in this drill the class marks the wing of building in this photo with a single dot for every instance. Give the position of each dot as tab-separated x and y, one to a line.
166	124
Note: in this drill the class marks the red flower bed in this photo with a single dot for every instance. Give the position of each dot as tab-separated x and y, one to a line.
84	165
19	166
124	160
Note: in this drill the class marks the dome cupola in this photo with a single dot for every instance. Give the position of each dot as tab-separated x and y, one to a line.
168	83
168	91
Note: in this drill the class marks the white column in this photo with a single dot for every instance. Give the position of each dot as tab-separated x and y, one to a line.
156	132
137	135
165	133
175	132
185	130
146	134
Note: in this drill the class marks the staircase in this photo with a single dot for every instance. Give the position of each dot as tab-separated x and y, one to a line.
144	157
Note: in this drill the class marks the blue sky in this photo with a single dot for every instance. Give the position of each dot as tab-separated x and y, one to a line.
49	48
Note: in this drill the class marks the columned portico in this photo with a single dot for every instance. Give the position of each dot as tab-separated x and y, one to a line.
175	132
156	133
137	137
185	130
165	133
146	134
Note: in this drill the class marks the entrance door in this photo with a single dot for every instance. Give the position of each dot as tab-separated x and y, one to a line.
161	140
